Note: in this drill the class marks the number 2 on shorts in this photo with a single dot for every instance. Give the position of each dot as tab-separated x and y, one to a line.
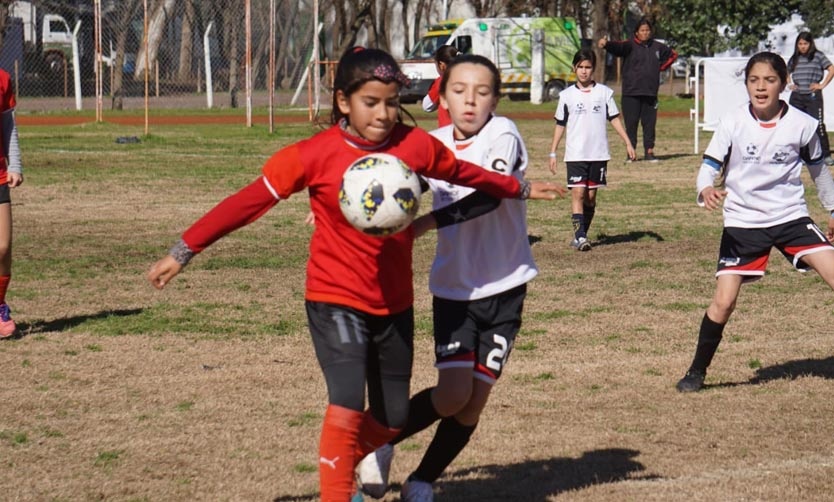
496	356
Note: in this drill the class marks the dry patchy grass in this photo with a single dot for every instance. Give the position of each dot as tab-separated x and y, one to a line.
209	390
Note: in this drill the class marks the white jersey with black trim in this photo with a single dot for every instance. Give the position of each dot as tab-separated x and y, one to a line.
585	114
490	254
763	163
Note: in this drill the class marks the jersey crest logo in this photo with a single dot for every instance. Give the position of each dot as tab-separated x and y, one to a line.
752	151
779	157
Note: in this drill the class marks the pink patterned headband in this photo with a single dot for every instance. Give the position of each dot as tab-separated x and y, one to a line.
387	73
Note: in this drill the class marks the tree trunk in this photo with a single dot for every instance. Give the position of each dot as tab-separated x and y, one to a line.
186	43
4	16
286	29
380	13
156	31
361	16
231	20
600	23
404	22
260	53
418	21
128	13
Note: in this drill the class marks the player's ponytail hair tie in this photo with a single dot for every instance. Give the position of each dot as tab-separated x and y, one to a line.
388	73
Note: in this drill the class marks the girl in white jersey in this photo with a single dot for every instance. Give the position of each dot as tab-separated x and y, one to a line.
478	279
762	146
584	110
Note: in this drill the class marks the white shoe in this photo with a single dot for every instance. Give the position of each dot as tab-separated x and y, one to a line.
581	244
417	491
373	471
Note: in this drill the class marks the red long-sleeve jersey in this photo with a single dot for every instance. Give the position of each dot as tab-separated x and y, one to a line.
346	267
7	102
443	117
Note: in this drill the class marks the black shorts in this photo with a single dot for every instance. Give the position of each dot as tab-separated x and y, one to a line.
478	334
353	347
745	251
5	195
587	174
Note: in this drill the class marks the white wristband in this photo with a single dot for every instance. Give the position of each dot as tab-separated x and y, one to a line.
552	155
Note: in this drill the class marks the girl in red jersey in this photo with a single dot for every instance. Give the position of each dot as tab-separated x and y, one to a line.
359	289
431	102
11	176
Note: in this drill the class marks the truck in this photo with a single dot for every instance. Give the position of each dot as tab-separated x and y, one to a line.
507	42
47	40
419	63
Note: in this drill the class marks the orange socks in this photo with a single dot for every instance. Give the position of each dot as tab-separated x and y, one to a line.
372	435
337	447
4	285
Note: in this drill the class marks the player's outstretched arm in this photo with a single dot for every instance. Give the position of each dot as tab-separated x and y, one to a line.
163	271
423	224
546	190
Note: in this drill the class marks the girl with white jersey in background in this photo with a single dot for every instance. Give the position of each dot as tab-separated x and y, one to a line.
584	110
762	147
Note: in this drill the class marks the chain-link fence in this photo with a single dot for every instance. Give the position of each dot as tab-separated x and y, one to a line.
195	53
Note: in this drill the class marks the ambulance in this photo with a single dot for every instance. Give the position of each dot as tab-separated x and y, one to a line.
508	42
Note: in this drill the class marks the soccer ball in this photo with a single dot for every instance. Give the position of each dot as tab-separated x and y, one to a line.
380	195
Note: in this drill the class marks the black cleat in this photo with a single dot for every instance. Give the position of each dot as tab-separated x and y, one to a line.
693	381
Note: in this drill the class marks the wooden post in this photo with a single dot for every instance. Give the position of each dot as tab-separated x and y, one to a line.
271	79
147	68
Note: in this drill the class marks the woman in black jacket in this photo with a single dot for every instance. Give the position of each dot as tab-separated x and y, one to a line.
643	60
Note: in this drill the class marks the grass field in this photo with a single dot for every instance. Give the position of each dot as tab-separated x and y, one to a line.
209	389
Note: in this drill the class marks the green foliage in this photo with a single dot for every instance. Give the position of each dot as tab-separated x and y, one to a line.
703	27
818	16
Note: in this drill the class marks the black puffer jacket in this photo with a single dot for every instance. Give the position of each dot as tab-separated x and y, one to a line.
642	64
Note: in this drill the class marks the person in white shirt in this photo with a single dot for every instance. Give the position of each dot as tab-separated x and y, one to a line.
584	110
762	147
478	279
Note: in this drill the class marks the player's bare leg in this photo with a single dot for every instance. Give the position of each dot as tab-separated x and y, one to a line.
727	288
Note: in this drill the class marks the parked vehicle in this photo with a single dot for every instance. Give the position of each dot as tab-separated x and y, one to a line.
47	40
419	63
508	42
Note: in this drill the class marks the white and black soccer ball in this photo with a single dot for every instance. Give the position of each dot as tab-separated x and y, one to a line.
380	194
